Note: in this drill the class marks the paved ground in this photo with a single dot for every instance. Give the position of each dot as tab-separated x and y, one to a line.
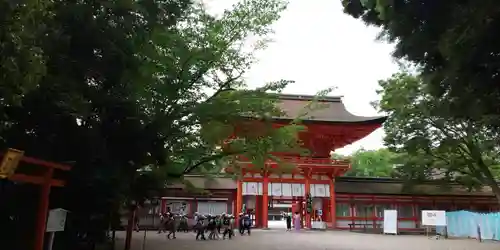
307	240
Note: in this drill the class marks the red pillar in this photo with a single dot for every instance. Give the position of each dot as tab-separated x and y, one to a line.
43	210
239	200
265	200
333	204
235	199
307	191
163	207
258	211
194	206
325	202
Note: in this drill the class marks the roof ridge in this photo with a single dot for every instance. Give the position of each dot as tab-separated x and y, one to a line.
300	97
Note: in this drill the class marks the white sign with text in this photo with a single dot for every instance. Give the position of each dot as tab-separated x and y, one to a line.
433	218
390	222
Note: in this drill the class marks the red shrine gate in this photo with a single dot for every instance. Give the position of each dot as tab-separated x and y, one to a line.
312	176
328	129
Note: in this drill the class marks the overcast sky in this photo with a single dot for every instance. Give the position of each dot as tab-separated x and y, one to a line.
318	46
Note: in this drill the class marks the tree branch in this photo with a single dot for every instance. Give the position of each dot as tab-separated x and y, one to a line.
190	168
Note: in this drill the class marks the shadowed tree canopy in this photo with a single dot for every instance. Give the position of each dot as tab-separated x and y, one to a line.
434	144
455	43
114	87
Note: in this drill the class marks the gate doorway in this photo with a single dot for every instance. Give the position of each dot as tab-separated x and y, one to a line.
278	208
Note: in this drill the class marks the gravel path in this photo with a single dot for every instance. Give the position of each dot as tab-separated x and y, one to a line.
306	240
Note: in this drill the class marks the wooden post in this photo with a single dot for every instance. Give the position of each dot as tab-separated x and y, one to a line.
239	200
163	205
130	227
43	209
7	170
265	201
307	188
333	205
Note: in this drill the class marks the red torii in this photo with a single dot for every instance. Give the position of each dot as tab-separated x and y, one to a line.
8	167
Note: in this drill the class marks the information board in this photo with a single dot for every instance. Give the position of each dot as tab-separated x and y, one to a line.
433	218
56	220
390	222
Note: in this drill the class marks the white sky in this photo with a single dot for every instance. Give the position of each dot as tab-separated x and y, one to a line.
318	46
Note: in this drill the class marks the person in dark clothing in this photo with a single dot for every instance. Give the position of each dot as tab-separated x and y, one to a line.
171	226
288	218
183	224
212	228
227	221
247	224
241	226
200	228
218	220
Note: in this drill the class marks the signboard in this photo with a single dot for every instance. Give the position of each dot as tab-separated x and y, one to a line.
10	161
286	189
250	188
297	190
320	190
433	218
56	220
390	222
276	189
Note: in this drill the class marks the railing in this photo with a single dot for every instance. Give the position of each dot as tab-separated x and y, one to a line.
473	225
307	161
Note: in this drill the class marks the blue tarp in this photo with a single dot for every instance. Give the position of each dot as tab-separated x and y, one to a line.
469	224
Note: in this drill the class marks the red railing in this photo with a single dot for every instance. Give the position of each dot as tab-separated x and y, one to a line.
298	160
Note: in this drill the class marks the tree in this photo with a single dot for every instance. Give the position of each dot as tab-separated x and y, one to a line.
454	43
132	94
434	143
372	163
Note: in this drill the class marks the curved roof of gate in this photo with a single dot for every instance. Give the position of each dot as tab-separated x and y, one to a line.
328	109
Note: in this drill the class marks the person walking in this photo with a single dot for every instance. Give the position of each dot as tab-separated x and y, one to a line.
161	227
226	225
296	221
171	226
200	228
247	224
288	218
241	223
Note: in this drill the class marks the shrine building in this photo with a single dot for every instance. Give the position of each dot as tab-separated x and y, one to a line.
340	202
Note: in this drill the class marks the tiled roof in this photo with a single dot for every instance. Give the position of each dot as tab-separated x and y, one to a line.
352	185
201	182
331	109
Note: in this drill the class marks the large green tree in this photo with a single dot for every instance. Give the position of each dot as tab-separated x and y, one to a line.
454	42
119	86
372	163
435	144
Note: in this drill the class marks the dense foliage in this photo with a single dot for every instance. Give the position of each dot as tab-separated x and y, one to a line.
454	42
114	87
445	120
371	163
435	144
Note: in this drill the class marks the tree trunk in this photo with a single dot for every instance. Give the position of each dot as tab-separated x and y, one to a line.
490	180
494	188
130	226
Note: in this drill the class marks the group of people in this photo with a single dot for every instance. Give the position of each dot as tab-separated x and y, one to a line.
214	225
295	219
171	223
